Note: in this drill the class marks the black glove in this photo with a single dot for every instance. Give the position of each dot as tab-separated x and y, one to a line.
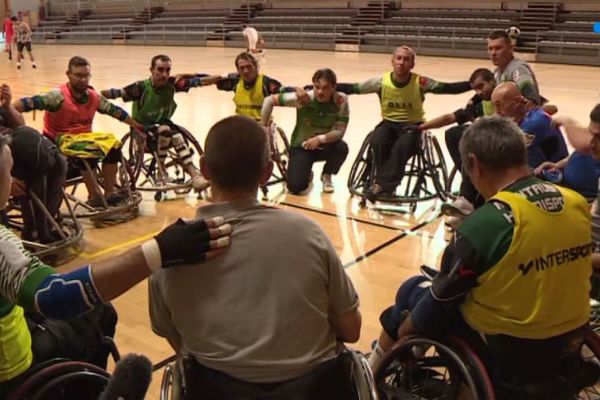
183	242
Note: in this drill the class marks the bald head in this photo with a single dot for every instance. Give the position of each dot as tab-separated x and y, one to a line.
508	101
236	154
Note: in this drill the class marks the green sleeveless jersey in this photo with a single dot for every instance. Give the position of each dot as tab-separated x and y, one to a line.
313	119
156	105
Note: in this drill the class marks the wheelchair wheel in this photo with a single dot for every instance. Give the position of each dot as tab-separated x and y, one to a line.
142	153
591	352
171	387
66	380
360	178
437	166
422	368
280	153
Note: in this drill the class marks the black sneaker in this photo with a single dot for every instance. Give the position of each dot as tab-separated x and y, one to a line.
95	202
115	199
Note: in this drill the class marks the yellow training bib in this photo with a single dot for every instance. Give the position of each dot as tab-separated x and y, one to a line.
540	288
402	104
248	102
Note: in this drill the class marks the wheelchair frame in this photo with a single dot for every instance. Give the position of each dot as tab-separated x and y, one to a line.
469	369
107	215
173	380
137	150
425	178
280	155
68	223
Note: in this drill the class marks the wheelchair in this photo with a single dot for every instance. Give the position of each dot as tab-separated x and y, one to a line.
63	379
426	175
448	368
141	149
280	155
67	227
173	385
106	215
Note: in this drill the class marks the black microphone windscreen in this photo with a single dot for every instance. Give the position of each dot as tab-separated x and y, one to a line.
130	380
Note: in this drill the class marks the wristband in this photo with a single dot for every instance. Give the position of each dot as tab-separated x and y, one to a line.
152	255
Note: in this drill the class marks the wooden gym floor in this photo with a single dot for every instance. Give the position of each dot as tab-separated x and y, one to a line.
378	249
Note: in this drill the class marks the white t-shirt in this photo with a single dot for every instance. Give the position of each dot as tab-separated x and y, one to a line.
251	36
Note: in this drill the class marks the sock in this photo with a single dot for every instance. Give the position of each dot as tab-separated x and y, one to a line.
376	356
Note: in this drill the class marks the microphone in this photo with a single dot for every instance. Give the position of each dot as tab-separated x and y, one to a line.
130	379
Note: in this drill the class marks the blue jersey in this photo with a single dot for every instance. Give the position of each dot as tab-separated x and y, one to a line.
581	174
548	142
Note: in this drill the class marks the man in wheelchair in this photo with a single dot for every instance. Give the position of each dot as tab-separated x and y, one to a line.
38	167
509	285
70	110
239	318
154	104
40	308
396	138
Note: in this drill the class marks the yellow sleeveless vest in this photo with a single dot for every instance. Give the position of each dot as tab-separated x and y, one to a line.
249	102
401	104
540	288
15	345
488	108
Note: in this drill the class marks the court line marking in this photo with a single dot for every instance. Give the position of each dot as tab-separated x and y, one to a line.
333	214
119	246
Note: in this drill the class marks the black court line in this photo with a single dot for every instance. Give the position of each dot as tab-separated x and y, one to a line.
332	214
164	362
385	244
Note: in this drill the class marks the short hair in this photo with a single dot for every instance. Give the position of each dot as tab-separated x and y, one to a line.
236	153
78	62
483	73
161	57
13	18
595	114
407	48
325	73
500	34
496	142
247	57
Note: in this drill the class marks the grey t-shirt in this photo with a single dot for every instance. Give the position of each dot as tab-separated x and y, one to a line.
519	72
260	311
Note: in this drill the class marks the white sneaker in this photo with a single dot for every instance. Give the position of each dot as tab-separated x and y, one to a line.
460	207
327	183
199	183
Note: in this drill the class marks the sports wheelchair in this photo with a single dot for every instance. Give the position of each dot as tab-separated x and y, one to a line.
141	150
174	383
107	214
67	229
426	175
280	154
448	368
63	379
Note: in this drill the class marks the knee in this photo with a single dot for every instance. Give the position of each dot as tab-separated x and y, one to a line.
164	130
342	148
378	138
296	186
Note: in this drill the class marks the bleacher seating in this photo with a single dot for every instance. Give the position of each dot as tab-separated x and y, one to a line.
456	32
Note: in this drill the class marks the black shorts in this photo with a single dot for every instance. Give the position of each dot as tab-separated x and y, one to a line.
21	45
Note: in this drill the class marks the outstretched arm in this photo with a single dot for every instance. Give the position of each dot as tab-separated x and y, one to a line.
37	286
429	85
108	108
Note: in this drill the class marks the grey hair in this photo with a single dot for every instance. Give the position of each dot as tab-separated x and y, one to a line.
496	142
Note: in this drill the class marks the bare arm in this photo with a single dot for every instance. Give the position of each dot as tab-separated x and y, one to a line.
13	116
577	135
438	122
347	326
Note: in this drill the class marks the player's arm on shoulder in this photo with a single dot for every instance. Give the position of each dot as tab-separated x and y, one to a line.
131	92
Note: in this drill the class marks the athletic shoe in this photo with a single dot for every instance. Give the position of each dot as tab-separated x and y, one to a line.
327	183
95	202
115	199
